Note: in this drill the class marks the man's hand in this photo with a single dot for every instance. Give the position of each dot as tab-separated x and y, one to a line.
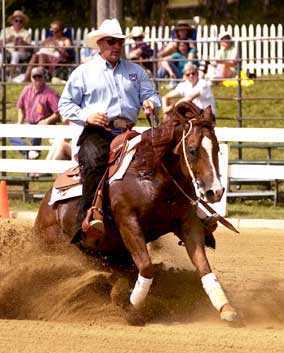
99	119
148	107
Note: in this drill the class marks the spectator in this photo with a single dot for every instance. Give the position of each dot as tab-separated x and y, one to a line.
16	36
182	32
54	50
225	64
61	148
141	50
174	67
86	53
191	89
37	104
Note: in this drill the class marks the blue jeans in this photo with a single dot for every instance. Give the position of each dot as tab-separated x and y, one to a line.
162	73
18	141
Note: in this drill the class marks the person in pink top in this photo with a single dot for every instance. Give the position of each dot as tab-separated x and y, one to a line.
37	104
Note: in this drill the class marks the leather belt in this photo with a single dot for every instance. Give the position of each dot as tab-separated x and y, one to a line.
121	122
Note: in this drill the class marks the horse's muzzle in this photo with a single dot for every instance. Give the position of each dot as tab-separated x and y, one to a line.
214	195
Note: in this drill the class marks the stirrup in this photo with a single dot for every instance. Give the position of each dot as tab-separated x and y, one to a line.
97	225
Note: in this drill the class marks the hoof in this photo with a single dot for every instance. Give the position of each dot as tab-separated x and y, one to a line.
133	316
229	316
228	313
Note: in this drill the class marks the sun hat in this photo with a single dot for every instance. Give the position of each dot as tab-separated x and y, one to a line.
38	70
182	24
137	32
108	28
18	13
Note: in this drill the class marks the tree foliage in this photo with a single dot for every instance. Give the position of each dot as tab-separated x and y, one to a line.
148	12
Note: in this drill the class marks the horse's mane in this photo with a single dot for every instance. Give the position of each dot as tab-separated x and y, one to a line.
156	142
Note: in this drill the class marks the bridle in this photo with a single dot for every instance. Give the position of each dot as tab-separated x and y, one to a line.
189	169
194	201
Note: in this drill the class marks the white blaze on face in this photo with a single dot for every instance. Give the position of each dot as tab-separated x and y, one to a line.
206	143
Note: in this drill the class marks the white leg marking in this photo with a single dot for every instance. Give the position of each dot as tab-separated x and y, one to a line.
140	291
214	290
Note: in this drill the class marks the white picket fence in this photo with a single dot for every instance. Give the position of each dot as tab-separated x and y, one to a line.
262	48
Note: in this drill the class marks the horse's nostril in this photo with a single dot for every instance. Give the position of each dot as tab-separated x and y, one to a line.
209	193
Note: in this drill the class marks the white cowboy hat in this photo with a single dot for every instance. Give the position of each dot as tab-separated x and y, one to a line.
137	32
108	28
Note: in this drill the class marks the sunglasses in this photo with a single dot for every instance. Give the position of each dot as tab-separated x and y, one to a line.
190	73
17	20
37	76
113	41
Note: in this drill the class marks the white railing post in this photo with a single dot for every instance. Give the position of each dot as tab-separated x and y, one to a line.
258	47
280	49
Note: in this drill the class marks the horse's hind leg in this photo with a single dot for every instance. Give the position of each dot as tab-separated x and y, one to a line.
195	246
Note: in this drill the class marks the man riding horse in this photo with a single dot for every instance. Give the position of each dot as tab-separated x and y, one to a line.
105	96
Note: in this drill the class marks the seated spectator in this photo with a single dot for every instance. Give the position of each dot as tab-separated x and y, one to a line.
174	66
16	36
191	89
60	150
87	54
225	64
182	31
54	50
141	50
37	104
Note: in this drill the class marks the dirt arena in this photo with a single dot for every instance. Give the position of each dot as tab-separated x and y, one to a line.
60	302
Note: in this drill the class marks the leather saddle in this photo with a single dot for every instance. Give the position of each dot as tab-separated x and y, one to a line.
71	177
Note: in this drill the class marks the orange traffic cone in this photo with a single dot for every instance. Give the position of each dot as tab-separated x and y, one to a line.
4	203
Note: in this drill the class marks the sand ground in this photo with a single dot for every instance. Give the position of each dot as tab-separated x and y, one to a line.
60	302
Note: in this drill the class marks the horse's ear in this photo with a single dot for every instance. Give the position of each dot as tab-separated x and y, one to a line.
208	115
186	110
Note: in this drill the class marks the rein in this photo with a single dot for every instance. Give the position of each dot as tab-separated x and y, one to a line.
194	202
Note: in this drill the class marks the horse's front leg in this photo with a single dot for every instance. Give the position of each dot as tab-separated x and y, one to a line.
134	240
194	239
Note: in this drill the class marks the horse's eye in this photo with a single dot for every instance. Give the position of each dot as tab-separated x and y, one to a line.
192	152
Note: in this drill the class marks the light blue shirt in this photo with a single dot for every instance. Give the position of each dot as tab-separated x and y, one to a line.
97	87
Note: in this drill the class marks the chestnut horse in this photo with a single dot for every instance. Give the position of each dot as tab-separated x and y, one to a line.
156	196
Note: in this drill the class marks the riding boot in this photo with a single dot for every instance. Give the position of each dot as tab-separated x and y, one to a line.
93	157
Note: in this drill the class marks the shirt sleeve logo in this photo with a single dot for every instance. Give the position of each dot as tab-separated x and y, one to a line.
133	77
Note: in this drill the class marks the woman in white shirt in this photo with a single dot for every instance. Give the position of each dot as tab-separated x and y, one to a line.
193	89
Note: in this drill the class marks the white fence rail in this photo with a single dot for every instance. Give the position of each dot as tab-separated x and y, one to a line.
225	135
261	45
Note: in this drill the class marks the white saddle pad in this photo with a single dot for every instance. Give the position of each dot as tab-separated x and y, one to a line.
59	195
75	191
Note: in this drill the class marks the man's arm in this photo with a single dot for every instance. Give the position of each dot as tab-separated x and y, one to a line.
167	97
168	50
69	104
21	116
51	119
148	92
